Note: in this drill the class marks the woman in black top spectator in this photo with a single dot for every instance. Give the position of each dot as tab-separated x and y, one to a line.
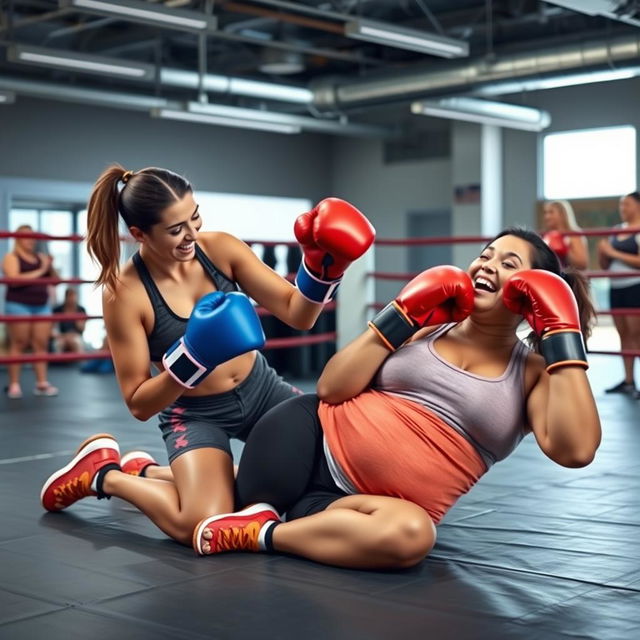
29	299
621	252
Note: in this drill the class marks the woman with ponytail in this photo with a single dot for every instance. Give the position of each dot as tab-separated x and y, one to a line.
415	410
176	306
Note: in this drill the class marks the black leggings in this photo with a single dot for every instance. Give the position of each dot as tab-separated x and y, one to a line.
283	462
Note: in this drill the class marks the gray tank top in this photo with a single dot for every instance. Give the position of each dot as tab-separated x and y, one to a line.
489	412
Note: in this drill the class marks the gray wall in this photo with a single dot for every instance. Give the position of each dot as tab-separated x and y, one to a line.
54	151
386	193
54	140
69	144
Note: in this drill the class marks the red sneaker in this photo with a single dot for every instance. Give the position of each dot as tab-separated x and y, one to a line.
237	531
73	482
135	462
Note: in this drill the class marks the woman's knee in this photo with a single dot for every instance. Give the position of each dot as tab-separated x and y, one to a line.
39	345
19	342
407	540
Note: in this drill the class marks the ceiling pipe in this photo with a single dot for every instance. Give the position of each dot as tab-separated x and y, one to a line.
47	90
451	78
215	83
137	102
236	86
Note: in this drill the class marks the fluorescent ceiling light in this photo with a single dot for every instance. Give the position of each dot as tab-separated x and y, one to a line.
555	82
305	123
144	12
511	116
202	118
79	62
411	39
225	111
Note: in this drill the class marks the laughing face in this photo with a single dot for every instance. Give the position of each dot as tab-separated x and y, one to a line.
497	262
176	233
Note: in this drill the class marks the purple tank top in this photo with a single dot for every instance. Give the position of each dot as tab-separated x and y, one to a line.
489	412
32	294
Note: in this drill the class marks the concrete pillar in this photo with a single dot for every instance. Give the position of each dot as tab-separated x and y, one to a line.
477	185
356	292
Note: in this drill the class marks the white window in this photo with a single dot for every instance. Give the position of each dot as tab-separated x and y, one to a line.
20	217
59	223
589	164
252	218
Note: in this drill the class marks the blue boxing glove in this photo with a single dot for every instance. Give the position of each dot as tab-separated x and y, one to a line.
221	327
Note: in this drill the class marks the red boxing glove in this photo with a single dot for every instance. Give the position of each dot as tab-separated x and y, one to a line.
332	235
437	295
549	306
558	243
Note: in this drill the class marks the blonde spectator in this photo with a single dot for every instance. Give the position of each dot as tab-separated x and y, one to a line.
558	217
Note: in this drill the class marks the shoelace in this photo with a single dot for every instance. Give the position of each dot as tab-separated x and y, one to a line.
72	490
238	538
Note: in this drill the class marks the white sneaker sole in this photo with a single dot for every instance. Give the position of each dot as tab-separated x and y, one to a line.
130	455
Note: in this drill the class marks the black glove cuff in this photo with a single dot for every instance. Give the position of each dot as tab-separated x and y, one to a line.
392	326
563	349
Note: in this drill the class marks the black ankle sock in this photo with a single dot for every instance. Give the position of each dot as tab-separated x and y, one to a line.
268	537
112	466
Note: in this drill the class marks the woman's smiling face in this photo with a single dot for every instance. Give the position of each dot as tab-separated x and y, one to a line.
497	262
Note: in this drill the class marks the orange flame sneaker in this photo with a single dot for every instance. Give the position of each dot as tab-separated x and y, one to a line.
73	482
135	462
239	531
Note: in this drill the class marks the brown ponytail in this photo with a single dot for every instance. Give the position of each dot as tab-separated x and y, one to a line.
145	194
103	235
581	290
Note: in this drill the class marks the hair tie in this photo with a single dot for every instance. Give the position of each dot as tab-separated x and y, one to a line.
125	176
565	276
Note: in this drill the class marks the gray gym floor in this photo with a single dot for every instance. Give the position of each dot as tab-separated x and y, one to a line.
533	551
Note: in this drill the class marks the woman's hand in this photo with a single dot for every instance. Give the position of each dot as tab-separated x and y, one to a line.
605	248
46	262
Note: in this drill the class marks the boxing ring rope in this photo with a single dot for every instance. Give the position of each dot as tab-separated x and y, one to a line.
272	343
408	242
277	343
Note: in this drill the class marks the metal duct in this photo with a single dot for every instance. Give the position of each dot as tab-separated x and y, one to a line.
462	78
87	96
139	102
236	86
